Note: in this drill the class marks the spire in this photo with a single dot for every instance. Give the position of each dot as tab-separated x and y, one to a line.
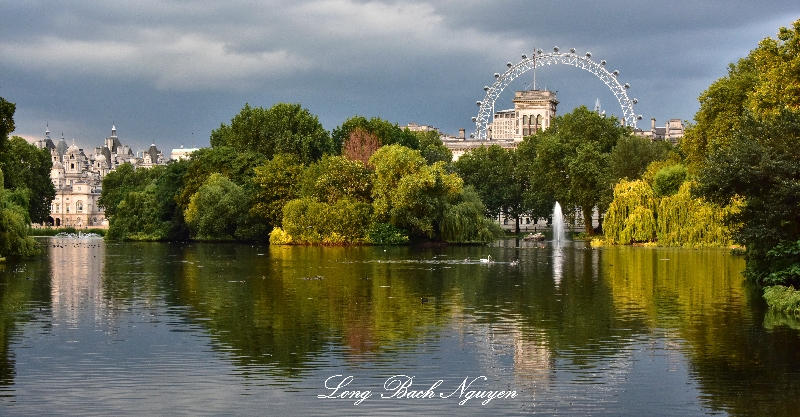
47	132
113	130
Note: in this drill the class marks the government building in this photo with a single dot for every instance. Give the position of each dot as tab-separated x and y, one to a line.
533	111
78	177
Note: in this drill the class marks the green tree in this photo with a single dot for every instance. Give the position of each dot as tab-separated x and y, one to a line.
571	160
276	183
408	193
28	168
432	147
141	203
283	128
335	177
761	163
14	226
216	209
123	180
464	221
386	132
7	110
762	84
630	159
494	173
668	180
238	166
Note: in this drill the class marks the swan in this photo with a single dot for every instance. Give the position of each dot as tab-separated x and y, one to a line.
487	259
515	262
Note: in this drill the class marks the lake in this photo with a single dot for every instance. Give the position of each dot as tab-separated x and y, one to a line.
103	328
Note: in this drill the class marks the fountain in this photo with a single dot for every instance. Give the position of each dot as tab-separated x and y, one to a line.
558	241
558	224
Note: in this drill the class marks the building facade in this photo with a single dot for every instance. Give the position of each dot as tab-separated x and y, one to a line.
78	177
533	111
672	132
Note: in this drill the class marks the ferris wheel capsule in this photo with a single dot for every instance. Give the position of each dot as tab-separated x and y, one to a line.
524	56
639	117
474	119
555	49
485	88
627	86
603	62
615	73
496	75
572	50
635	101
478	103
508	64
588	55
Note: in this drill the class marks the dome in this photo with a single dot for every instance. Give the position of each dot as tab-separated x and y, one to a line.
58	165
73	149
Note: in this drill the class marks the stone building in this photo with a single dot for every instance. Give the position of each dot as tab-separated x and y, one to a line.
533	111
78	177
672	132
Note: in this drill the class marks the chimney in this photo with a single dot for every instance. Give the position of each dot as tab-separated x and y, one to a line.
462	133
653	124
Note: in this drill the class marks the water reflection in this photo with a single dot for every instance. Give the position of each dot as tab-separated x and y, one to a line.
76	283
618	331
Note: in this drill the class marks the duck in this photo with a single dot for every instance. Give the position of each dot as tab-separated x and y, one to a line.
515	262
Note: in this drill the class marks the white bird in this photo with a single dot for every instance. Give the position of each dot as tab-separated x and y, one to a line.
487	259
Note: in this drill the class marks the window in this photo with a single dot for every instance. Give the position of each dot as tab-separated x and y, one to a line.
79	206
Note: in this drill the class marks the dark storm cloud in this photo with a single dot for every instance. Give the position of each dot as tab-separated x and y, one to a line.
170	71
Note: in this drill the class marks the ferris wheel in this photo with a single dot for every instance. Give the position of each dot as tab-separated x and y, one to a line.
539	59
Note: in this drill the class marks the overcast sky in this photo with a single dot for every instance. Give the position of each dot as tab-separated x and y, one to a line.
171	71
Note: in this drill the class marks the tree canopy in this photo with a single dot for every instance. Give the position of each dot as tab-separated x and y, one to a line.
760	85
493	173
745	146
283	128
386	132
569	162
27	169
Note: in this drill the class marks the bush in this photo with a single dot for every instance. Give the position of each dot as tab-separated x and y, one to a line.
386	234
312	222
668	180
279	237
783	262
783	299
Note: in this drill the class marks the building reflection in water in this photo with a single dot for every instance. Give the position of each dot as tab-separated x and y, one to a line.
76	288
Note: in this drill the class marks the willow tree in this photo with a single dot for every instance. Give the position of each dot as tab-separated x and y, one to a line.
631	216
638	214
